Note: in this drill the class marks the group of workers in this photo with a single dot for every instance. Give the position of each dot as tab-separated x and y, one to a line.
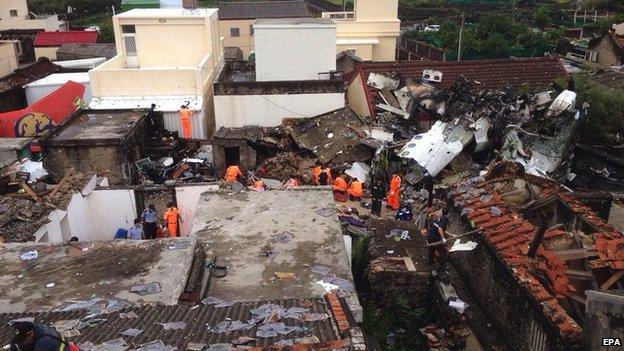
146	226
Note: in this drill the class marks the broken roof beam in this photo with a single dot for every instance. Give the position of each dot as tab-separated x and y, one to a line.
394	110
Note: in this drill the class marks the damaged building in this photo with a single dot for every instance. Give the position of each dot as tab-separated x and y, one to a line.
290	76
540	252
102	142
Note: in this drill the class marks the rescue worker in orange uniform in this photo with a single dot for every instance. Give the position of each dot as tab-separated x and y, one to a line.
355	190
185	121
172	216
316	172
340	187
393	194
232	173
291	183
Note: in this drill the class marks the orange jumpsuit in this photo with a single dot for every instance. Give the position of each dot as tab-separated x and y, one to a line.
340	185
171	219
393	194
316	172
185	121
232	173
291	183
355	189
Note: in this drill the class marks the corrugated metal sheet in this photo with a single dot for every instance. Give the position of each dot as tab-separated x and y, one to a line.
198	124
39	89
199	320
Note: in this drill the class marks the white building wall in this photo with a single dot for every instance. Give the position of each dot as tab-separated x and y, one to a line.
187	198
269	110
36	93
294	52
95	217
170	4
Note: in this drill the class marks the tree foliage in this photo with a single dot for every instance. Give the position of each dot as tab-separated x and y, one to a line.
81	7
541	17
494	35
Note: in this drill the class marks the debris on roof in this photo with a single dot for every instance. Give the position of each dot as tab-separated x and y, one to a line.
22	76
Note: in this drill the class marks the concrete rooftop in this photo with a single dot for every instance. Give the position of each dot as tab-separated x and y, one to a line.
97	125
167	13
236	227
91	270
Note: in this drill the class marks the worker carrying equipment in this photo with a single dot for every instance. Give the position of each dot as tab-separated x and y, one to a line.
185	120
316	172
232	173
171	219
393	194
39	337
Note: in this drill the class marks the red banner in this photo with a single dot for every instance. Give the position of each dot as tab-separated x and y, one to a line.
44	114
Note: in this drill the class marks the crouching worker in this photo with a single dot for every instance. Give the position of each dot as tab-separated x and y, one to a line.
38	337
355	190
340	188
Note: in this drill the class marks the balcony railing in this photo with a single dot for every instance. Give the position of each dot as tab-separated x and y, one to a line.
340	16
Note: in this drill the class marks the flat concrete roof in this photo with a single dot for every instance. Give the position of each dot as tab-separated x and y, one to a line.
293	22
14	143
236	227
167	13
106	270
97	125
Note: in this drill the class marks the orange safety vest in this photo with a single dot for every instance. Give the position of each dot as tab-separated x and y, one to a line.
171	215
395	183
340	185
316	172
355	189
231	173
185	114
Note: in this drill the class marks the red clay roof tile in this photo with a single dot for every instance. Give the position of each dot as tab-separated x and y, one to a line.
52	39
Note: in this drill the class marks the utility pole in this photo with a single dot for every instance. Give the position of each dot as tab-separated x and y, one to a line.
461	34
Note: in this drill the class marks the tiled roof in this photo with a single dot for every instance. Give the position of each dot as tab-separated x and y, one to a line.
44	39
490	74
199	322
107	50
509	234
28	74
324	5
251	133
262	9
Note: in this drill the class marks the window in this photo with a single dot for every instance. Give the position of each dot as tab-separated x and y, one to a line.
13	13
130	44
251	29
234	32
128	29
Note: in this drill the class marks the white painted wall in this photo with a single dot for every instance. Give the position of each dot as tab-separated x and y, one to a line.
288	50
268	110
95	217
187	198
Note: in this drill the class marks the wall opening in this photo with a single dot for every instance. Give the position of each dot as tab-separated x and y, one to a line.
232	156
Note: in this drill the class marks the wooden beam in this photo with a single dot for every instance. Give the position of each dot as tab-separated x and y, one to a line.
576	274
30	192
614	278
578	298
62	182
575	254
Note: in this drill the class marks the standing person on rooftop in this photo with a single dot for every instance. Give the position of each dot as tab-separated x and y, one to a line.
150	221
185	120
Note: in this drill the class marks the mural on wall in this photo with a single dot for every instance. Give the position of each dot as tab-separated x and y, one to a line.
43	115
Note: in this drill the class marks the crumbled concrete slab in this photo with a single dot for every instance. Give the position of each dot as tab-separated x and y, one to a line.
87	270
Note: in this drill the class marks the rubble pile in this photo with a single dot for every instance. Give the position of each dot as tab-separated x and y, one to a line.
533	129
22	213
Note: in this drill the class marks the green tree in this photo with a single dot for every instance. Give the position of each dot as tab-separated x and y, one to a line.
541	17
495	46
107	35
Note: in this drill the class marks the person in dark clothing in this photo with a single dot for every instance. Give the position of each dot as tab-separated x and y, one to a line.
324	178
405	212
436	234
428	185
154	125
378	193
38	337
150	221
